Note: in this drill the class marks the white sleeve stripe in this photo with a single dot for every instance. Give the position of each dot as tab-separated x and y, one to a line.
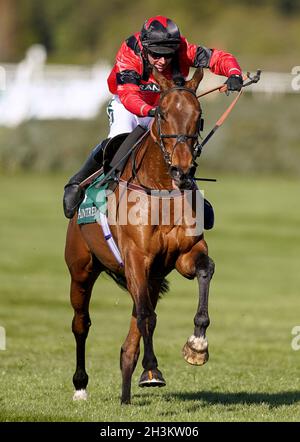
234	69
142	108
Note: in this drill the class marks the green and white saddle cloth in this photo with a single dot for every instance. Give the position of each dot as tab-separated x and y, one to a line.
95	201
93	209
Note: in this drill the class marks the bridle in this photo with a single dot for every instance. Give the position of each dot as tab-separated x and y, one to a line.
180	138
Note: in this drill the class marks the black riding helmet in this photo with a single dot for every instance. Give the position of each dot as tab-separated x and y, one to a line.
160	35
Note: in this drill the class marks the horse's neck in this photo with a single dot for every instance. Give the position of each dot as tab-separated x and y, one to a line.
151	168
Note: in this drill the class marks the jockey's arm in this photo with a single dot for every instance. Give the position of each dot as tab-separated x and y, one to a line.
219	62
128	70
130	96
224	63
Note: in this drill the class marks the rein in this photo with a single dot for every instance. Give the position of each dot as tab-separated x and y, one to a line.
223	88
218	124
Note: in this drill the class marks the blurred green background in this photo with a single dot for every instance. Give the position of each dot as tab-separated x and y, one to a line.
260	32
262	133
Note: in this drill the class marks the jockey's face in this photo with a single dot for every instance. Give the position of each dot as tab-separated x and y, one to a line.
160	62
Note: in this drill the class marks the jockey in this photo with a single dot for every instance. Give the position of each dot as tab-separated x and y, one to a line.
135	91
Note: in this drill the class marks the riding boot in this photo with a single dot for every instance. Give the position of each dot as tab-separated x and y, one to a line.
209	217
73	192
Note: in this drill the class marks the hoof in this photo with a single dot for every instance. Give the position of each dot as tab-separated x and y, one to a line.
195	351
80	395
152	378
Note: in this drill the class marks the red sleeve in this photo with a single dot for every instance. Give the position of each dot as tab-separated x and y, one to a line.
190	51
223	63
130	64
130	96
219	62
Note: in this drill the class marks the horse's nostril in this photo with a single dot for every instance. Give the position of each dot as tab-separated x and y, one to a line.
175	172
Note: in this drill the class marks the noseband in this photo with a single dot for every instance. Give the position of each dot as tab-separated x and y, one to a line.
180	138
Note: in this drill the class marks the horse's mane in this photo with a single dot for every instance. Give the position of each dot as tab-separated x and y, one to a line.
178	80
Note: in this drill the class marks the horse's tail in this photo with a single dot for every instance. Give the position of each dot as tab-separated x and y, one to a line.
122	283
119	279
164	288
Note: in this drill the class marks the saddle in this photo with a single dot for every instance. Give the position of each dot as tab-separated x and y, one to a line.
111	149
114	154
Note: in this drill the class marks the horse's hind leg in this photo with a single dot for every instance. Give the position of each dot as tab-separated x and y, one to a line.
129	356
81	288
84	270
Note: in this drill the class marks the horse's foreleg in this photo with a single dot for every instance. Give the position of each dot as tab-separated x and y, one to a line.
151	377
195	350
139	287
199	264
130	351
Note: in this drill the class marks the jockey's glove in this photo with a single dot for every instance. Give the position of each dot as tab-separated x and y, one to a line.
151	112
234	83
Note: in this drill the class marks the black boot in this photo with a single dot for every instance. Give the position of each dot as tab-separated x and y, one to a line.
74	194
209	216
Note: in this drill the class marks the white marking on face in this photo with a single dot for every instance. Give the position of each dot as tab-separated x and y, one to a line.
179	106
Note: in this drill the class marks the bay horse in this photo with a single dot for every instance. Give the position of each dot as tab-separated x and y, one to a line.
165	160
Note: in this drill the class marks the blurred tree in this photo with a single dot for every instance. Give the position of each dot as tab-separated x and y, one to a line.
288	6
83	31
41	24
8	29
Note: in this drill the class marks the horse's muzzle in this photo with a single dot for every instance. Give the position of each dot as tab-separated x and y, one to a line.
183	180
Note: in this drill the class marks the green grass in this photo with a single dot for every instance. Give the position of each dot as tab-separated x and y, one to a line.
252	374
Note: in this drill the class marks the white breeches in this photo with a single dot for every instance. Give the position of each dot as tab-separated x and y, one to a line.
121	120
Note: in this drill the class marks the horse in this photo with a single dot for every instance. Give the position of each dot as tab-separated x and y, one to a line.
164	160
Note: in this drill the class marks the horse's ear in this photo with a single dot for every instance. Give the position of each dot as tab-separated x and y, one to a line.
163	82
193	83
